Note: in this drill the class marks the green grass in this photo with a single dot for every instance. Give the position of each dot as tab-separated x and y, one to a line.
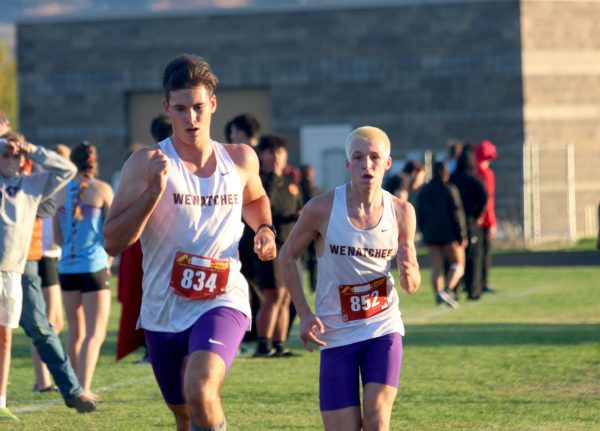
527	358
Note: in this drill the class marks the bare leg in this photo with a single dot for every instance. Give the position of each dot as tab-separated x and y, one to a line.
96	310
283	319
5	347
455	255
204	376
268	314
76	324
182	416
347	419
437	265
378	400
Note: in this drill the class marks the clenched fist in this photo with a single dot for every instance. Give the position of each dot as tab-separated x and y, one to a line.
157	172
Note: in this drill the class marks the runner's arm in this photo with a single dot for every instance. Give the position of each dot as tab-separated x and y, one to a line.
303	233
406	258
143	182
256	207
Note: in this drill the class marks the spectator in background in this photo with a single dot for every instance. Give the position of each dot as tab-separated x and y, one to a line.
245	129
84	265
21	196
273	318
455	147
441	219
406	181
474	198
485	152
161	128
309	190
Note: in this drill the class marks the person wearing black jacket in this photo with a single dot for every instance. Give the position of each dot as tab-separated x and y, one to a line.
272	320
441	219
474	199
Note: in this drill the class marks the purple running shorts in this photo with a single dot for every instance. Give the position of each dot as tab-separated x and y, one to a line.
219	330
379	360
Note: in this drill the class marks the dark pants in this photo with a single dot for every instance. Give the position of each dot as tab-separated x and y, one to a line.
248	259
473	261
487	257
310	261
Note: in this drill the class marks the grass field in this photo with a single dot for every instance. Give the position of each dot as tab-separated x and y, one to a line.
526	358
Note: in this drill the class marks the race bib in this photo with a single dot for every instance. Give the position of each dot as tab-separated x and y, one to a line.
361	301
198	277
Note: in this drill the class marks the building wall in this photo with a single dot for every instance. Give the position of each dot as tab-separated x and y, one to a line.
422	72
561	90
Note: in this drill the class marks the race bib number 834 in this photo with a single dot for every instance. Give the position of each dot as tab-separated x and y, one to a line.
198	277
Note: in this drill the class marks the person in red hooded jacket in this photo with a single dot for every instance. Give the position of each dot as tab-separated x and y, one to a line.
485	152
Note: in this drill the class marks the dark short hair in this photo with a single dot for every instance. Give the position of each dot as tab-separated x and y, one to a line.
188	71
440	170
272	142
161	128
412	166
248	124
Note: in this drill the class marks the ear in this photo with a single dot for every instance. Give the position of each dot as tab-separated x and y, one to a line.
347	164
166	105
388	163
213	103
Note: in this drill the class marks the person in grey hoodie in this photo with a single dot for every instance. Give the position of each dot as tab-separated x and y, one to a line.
20	197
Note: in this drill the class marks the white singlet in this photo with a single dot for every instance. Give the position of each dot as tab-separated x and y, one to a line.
354	259
201	216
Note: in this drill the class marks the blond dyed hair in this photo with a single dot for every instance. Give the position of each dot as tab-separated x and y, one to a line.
368	133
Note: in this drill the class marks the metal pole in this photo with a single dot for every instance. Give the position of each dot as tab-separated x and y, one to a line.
571	196
526	194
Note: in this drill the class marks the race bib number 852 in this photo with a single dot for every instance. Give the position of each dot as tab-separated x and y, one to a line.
361	301
198	277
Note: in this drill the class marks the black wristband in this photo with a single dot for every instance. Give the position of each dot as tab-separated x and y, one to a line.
268	226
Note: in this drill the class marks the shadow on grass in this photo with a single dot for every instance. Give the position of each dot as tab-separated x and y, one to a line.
498	334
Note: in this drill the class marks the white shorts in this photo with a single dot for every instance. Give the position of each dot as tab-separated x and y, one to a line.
11	299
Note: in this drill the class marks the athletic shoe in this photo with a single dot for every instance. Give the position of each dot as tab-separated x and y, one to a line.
82	404
452	292
284	353
6	415
38	390
268	354
488	289
144	360
442	298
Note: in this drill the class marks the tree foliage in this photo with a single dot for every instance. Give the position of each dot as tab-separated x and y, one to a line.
8	85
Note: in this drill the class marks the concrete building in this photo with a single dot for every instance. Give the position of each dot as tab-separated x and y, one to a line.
524	74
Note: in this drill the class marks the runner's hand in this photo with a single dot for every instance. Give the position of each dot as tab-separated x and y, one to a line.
310	327
264	244
157	172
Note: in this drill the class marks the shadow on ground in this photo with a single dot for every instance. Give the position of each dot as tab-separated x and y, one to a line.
498	334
